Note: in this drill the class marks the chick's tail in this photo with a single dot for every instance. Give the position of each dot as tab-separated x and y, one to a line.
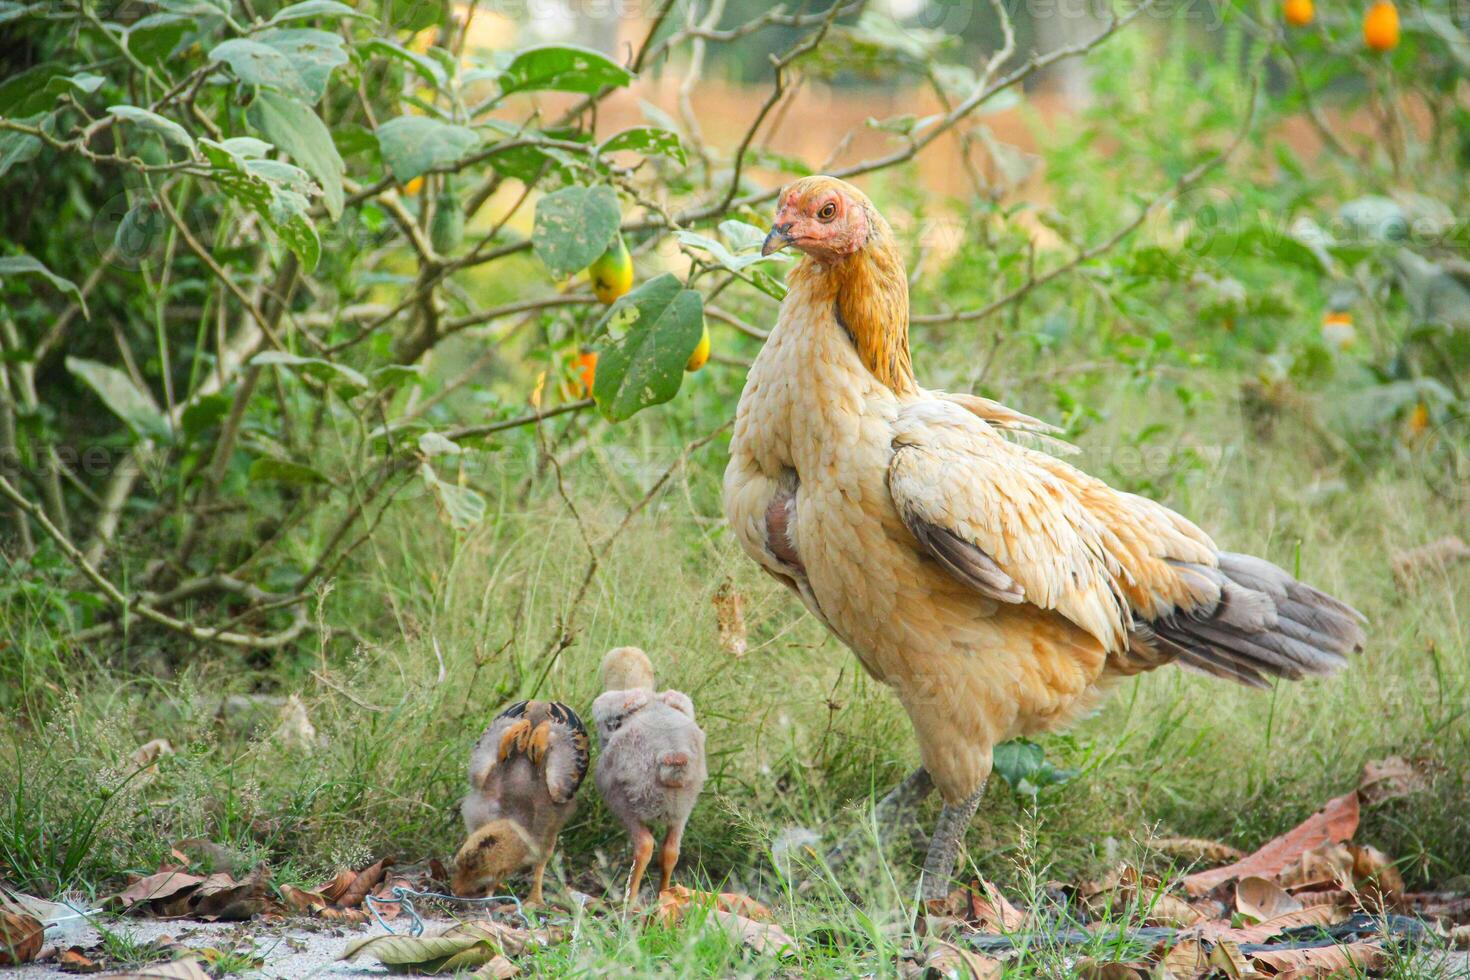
673	769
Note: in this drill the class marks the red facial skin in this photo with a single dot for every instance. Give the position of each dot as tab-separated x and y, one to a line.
821	221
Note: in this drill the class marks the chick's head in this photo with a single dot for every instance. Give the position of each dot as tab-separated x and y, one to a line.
626	669
491	854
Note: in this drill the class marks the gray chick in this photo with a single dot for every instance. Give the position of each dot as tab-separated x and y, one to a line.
652	766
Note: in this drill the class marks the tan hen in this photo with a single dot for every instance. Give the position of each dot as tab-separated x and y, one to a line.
997	590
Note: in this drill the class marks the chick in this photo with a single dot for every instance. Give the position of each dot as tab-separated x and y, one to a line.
652	764
524	774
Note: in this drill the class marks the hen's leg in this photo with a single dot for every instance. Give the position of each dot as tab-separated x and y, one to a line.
894	813
669	856
642	854
944	846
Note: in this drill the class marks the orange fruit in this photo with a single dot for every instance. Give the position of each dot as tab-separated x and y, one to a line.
587	370
1381	26
413	187
1418	419
1298	13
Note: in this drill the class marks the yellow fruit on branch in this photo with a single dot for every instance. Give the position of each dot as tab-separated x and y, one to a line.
612	274
700	356
1298	13
1381	26
413	187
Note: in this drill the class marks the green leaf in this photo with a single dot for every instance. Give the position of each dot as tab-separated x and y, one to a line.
562	68
298	130
653	330
1023	765
85	83
433	444
205	414
647	140
412	145
167	128
18	265
340	376
126	400
394	375
298	61
463	508
427	68
307	9
271	189
277	470
17	148
154	38
574	226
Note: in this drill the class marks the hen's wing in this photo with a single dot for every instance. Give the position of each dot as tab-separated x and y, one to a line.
548	733
1021	526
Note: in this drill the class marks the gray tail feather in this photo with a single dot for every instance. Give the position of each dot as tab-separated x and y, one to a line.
1266	624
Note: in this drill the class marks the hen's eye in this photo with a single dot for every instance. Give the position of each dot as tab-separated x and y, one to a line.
828	212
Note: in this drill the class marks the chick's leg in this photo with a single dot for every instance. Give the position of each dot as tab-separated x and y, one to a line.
642	854
944	846
893	814
668	856
537	876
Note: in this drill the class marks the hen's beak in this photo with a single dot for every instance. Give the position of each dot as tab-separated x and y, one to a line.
778	239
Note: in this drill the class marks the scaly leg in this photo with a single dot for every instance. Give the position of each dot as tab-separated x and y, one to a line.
891	814
944	846
642	854
669	856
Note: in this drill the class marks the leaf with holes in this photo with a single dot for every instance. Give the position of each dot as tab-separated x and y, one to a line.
647	140
562	68
1024	766
413	145
125	399
653	331
574	226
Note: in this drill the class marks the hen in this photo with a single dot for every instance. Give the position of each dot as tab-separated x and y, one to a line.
524	774
998	590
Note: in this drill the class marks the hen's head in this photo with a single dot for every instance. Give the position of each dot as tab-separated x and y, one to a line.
824	217
492	853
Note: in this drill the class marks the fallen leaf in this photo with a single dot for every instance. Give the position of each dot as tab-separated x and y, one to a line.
1460	937
220	898
1337	821
189	969
673	902
1186	960
959	963
75	961
1262	899
1321	961
1196	849
1229	960
1327	866
363	885
1087	968
464	946
730	614
159	887
993	909
1389	779
21	937
301	900
1376	878
763	937
1317	915
499	968
145	757
333	890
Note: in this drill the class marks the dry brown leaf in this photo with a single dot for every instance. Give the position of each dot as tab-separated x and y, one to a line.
1377	878
1321	961
1327	866
1196	849
1460	937
1337	821
141	895
146	756
993	909
1389	779
1262	899
334	914
499	968
301	900
367	879
673	902
189	969
21	937
341	881
763	937
74	960
1330	896
959	963
1186	960
730	614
